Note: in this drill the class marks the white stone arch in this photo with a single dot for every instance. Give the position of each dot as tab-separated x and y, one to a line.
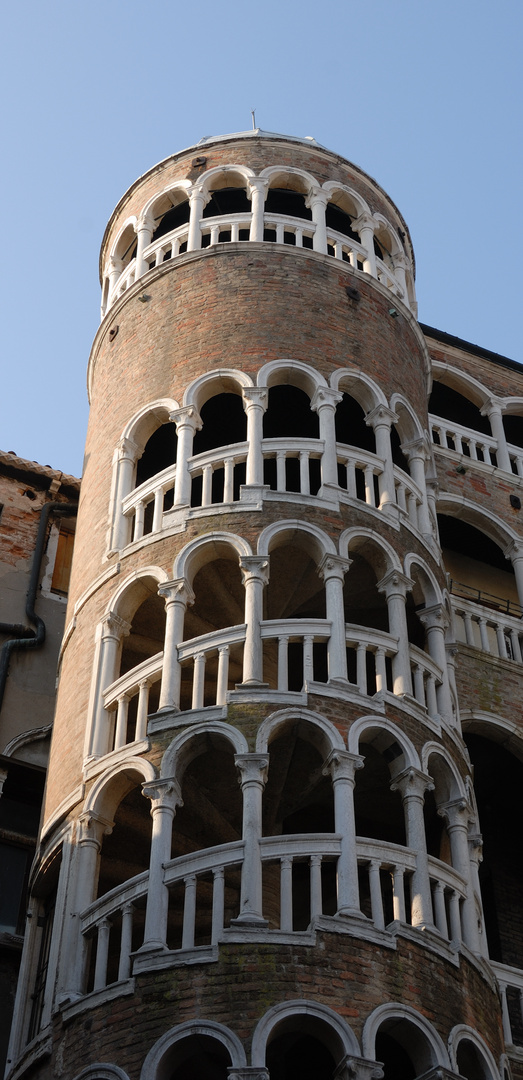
305	181
121	604
359	386
30	746
102	1071
408	426
146	421
354	538
498	729
386	733
221	381
513	406
334	188
392	1010
114	251
185	747
417	568
314	540
168	195
384	226
482	519
156	1065
225	172
327	734
344	1042
114	784
464	1033
207	548
457	788
291	372
464	384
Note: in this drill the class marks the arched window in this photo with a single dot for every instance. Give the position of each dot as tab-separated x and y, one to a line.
471	1063
404	1049
289	417
224	423
295	592
219	603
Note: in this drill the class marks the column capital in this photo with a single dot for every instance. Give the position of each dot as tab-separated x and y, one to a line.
187	416
115	263
364	221
412	782
128	448
435	616
355	1068
248	1072
92	828
178	589
145	222
381	415
342	765
255	568
198	192
333	566
493	404
325	397
395	583
255	396
416	448
257	183
113	626
253	768
457	813
317	196
514	551
163	794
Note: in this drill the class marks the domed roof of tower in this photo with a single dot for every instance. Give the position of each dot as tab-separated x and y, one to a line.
259	133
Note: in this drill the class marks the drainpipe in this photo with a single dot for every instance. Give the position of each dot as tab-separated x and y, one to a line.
27	638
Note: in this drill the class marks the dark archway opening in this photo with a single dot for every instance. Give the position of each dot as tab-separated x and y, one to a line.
397	1064
451	405
198	1057
176	216
295	1056
159	453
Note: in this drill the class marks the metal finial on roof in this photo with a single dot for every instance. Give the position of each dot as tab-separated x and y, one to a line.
253	111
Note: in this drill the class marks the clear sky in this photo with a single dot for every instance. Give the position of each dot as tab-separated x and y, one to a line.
425	95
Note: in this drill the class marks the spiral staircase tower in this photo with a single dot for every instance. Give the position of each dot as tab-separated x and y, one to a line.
259	855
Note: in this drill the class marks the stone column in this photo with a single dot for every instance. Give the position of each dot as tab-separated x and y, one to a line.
457	815
395	587
127	456
91	830
493	409
332	570
515	553
417	454
113	630
187	421
255	575
253	777
255	401
165	796
198	200
401	265
177	594
364	225
475	842
380	420
257	192
341	766
115	269
412	785
435	620
324	402
144	232
316	201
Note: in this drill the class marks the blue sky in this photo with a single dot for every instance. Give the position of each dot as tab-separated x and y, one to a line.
424	96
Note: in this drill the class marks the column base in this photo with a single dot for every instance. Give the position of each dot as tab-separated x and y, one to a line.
251	684
250	922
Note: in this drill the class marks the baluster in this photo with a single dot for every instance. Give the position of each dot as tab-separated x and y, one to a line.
469	629
516	648
235	231
376	900
361	667
473	449
519	465
176	246
189	912
286	893
158	510
419	684
351	479
412	508
198	685
305	486
308	662
299	237
432	697
138	520
215	235
338	249
381	670
502	645
218	904
141	715
283	663
455	918
102	953
126	942
485	644
398	894
281	480
222	680
228	480
369	485
505	1015
316	901
207	485
400	496
458	442
280	230
440	913
120	737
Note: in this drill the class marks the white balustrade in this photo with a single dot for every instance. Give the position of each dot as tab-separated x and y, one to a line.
152	493
462	440
510	981
209	465
135	685
426	680
482	627
515	454
304	451
280	670
205	662
408	497
278	228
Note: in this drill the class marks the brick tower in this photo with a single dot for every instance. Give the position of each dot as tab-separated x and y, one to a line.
260	855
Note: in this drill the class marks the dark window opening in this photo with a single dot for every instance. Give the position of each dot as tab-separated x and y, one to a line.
351	429
340	221
396	1061
159	453
227	201
223	422
176	216
295	1056
288	203
398	456
289	415
196	1057
451	405
513	430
